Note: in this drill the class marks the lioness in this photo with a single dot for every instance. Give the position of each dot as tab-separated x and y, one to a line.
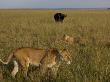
45	58
71	40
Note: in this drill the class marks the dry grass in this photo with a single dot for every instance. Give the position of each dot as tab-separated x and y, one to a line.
36	28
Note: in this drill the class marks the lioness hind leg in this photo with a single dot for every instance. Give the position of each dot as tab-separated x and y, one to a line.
25	68
15	69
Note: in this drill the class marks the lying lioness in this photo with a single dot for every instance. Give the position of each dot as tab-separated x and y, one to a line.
70	39
45	58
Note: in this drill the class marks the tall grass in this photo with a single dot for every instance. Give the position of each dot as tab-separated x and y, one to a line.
36	28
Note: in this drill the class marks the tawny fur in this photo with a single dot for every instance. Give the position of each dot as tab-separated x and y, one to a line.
45	58
72	40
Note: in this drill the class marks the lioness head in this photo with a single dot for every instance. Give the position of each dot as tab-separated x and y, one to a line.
68	39
65	37
66	56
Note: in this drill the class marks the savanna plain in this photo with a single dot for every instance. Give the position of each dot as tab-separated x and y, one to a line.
37	29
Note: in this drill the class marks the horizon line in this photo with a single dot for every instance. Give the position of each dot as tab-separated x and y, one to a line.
58	8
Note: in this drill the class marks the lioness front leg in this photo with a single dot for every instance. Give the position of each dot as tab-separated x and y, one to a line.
43	69
54	71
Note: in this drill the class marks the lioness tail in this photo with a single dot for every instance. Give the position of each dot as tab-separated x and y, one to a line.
8	60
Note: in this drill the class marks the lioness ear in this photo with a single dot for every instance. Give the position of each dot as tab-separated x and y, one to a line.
62	50
64	35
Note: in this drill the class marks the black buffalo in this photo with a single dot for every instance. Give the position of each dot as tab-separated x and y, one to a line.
59	17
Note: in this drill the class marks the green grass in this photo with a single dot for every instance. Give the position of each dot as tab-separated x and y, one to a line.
36	28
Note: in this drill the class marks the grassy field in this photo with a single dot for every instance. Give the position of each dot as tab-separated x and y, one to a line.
37	28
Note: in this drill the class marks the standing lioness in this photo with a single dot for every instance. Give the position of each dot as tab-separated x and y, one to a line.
45	58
